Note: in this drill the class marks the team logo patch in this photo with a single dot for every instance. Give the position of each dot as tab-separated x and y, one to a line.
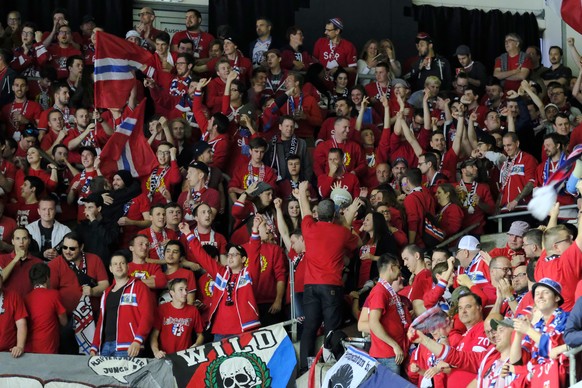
239	370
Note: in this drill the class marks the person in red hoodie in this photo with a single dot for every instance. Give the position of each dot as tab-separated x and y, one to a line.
270	288
160	183
128	304
417	204
233	294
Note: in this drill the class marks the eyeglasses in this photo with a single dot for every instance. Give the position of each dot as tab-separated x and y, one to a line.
66	248
504	269
163	152
27	33
385	211
564	240
519	275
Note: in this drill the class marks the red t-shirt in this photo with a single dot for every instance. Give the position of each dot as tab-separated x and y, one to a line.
326	243
14	310
421	285
146	270
58	58
512	64
565	269
177	327
380	299
7	226
183	273
64	280
23	213
206	195
343	54
44	307
204	294
19	280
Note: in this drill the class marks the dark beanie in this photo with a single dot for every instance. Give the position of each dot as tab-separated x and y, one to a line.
125	177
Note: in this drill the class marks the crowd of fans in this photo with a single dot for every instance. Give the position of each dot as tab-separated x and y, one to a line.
346	168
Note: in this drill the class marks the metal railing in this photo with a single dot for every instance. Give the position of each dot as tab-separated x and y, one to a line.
499	217
572	353
456	236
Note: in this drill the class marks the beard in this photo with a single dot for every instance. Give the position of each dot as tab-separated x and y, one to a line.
193	27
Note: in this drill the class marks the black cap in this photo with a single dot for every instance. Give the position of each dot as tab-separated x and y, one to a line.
95	198
30	130
199	148
468	162
87	148
200	166
488	139
87	19
249	110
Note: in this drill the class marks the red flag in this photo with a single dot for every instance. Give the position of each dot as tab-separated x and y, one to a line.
570	11
116	60
128	149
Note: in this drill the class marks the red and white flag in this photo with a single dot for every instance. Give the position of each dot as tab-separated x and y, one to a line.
570	11
116	61
128	149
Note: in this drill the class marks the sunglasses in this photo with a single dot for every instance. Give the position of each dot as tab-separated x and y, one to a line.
66	248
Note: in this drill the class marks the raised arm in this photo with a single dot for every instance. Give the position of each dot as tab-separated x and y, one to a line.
410	138
361	113
281	224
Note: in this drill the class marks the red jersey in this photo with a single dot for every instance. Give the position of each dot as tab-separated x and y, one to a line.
273	270
157	241
166	177
565	269
68	117
58	58
64	280
7	226
177	326
347	181
515	174
473	214
354	159
14	310
326	243
23	213
19	281
83	190
49	185
306	103
204	294
474	341
544	171
380	299
417	204
147	270
181	273
31	110
343	54
134	210
200	40
246	174
44	307
207	195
